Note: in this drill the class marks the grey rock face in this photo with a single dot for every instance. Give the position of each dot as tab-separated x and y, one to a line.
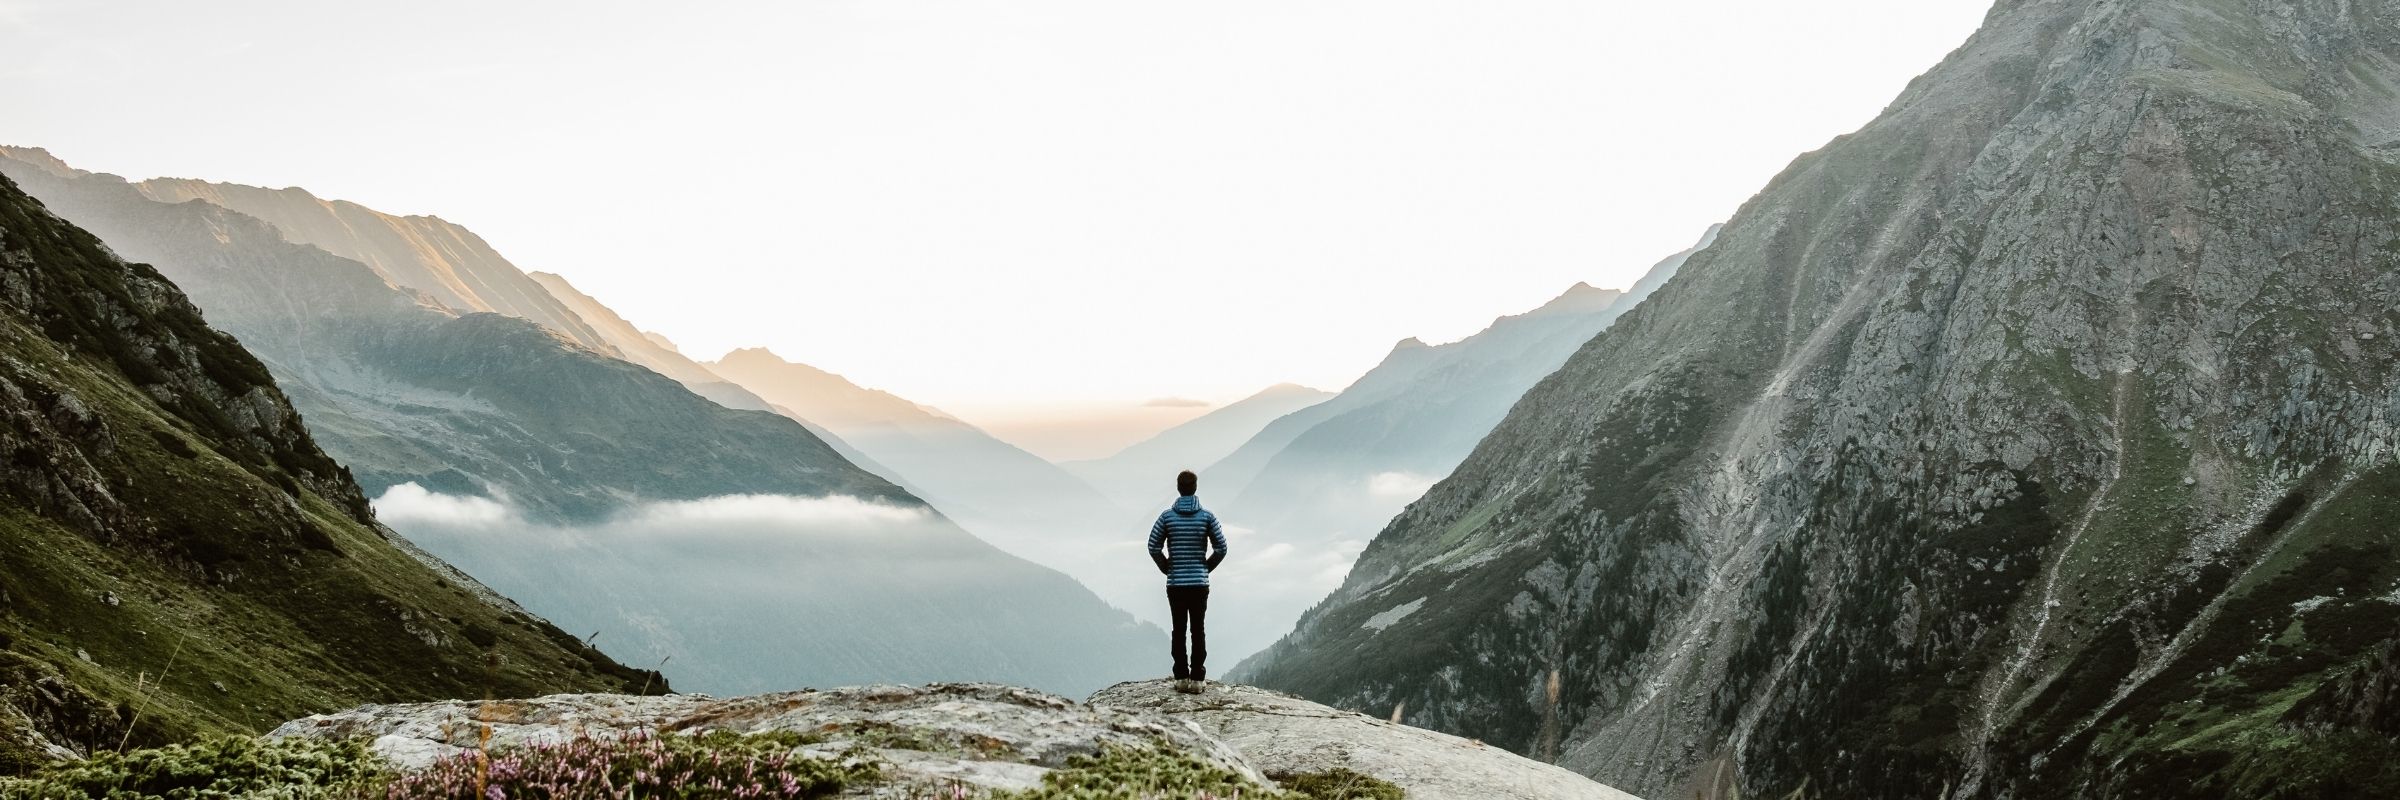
1284	735
2035	440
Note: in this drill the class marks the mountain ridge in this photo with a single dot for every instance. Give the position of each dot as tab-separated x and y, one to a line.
441	259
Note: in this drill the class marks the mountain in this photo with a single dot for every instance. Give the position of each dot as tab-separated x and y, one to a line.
1312	487
2035	440
1142	474
648	349
609	496
1010	497
164	513
406	391
446	262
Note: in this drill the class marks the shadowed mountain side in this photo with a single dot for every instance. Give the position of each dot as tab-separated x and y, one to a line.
172	540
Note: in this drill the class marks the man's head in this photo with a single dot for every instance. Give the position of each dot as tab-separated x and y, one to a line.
1186	483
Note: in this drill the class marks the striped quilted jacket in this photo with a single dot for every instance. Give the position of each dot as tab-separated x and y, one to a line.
1181	542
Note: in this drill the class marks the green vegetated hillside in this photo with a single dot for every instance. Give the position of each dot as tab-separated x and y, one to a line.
176	554
2036	440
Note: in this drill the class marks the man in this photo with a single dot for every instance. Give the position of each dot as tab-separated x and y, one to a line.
1187	544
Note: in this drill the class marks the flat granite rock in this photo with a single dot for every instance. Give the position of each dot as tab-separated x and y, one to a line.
981	735
1285	735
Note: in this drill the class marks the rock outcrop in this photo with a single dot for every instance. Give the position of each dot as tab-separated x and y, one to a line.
1282	735
986	736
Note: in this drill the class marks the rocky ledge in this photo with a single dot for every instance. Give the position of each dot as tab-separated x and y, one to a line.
985	736
1282	735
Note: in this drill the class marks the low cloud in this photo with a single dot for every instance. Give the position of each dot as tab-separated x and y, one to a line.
746	592
836	511
410	503
1402	486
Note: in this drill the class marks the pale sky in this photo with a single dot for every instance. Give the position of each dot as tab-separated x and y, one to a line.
1004	209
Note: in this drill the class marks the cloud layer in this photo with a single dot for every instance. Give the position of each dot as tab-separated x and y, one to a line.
751	593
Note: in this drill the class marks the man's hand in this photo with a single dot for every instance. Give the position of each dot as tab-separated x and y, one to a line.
1164	566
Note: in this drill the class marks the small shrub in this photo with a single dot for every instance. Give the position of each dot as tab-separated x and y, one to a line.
232	766
717	765
1340	784
1122	773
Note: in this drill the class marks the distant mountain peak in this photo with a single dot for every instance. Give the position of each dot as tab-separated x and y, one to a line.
752	354
661	340
1410	343
1582	298
1289	388
41	157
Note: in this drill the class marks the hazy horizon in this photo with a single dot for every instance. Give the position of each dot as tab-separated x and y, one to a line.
1016	213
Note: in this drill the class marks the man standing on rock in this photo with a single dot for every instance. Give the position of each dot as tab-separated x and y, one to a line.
1187	544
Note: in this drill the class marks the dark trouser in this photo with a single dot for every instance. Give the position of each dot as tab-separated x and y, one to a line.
1188	605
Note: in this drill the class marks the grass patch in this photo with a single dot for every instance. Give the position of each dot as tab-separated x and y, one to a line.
1125	773
225	766
1339	784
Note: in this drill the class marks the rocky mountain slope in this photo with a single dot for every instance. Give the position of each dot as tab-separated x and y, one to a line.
446	262
1319	482
2035	440
986	737
1142	475
164	511
594	489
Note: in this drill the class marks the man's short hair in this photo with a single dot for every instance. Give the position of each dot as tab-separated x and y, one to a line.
1187	483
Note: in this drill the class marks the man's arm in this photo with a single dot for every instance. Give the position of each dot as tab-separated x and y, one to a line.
1158	542
1216	543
